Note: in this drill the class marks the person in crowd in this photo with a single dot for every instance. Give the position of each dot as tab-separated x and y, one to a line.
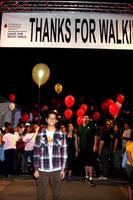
2	157
87	143
126	135
29	138
50	156
129	167
20	129
104	152
116	150
72	142
63	128
9	142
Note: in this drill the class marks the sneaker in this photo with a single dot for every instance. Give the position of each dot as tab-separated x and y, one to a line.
104	178
85	179
100	178
91	182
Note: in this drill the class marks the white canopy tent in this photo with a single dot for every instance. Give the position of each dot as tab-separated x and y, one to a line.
5	113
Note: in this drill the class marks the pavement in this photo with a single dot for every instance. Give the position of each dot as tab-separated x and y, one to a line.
23	187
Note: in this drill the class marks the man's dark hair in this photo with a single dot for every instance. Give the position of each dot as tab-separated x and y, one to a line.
52	112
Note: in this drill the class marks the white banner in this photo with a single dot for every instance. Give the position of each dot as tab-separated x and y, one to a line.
67	30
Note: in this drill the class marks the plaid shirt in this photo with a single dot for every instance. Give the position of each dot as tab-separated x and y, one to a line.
59	151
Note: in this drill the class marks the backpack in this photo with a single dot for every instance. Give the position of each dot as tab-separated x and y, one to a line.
20	145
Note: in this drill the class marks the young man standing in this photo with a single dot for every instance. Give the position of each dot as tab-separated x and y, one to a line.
50	155
88	145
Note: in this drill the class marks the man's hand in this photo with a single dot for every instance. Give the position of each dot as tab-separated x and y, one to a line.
62	175
36	174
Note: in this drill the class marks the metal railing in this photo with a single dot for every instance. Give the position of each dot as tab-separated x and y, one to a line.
66	5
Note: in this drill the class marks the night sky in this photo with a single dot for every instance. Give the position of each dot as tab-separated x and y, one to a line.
90	75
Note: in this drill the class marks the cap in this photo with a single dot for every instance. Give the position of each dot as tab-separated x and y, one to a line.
27	124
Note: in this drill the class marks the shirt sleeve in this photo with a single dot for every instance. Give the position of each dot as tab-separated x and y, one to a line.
36	154
63	153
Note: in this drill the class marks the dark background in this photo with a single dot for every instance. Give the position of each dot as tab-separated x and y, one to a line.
90	75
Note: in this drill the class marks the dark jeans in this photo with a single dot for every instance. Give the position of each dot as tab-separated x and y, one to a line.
129	169
10	161
104	164
28	160
46	178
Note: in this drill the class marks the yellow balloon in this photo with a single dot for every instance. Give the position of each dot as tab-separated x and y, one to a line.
58	88
40	74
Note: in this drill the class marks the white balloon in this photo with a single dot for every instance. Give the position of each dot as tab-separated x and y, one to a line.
11	106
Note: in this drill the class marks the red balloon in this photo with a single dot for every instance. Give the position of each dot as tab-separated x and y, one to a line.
120	98
68	113
114	110
25	117
79	121
84	107
109	102
34	112
96	116
69	101
80	112
104	106
12	97
44	108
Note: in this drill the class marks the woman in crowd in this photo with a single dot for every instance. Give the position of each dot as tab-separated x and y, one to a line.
72	142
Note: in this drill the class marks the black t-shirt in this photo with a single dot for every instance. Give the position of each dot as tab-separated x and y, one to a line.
106	136
86	135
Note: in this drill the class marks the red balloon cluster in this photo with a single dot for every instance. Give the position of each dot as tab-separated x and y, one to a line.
12	97
80	112
69	101
79	121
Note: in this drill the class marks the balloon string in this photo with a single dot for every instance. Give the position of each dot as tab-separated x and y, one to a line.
39	103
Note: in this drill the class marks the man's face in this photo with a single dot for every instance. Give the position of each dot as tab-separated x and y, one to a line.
85	119
51	120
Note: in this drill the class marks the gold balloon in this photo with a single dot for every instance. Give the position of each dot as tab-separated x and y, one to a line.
58	88
40	74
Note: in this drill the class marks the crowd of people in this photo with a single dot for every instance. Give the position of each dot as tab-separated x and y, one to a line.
54	151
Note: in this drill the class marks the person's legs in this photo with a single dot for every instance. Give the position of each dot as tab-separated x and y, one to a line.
86	171
130	193
26	155
90	168
129	169
42	184
55	185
